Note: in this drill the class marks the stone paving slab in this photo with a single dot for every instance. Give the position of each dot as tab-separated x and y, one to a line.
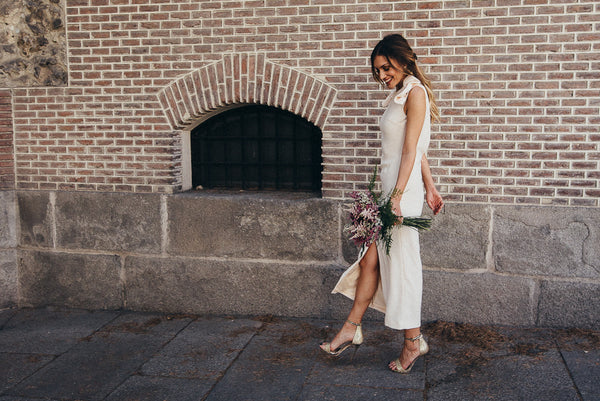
336	393
480	365
147	388
204	350
273	366
368	368
6	315
49	331
125	356
92	369
580	350
14	368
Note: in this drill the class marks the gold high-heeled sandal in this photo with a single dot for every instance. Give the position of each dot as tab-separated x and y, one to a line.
423	349
357	340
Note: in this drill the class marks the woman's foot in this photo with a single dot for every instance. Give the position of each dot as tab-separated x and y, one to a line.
413	348
350	334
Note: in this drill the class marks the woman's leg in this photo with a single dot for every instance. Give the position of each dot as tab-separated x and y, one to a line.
410	351
365	290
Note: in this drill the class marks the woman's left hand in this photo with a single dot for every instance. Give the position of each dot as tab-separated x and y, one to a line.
434	200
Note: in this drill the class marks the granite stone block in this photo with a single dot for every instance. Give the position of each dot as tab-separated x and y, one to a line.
34	49
250	226
36	219
225	286
458	238
547	241
569	304
8	278
483	298
109	221
67	279
8	220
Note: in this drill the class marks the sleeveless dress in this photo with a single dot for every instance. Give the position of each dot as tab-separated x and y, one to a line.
400	288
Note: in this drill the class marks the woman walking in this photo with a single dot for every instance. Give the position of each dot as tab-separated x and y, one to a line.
392	283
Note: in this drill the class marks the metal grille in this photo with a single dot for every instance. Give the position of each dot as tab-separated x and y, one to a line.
257	147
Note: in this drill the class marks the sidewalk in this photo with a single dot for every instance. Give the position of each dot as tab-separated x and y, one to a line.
57	354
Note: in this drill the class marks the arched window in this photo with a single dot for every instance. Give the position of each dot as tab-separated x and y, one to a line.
256	147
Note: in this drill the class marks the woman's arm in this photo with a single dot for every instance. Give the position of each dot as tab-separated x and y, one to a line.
433	197
415	109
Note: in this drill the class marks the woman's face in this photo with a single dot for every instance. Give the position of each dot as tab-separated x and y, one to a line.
389	72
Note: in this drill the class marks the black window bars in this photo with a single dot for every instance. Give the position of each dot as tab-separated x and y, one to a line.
256	147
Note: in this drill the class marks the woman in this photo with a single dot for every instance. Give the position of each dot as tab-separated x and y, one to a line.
392	282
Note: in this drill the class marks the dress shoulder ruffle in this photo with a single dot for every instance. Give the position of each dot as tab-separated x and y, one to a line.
399	96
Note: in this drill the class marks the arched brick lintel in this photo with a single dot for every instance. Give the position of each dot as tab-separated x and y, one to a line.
245	78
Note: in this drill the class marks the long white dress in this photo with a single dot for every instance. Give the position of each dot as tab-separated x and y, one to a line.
401	284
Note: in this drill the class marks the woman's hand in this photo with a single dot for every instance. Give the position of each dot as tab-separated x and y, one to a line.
396	208
434	200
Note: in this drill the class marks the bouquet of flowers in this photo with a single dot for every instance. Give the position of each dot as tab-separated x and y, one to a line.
372	217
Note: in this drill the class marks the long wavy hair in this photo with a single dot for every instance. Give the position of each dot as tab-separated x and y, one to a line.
395	47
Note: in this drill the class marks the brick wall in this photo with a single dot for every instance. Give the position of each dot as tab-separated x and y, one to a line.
7	167
517	87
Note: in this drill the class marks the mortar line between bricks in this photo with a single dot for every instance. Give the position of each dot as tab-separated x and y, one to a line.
562	357
257	332
137	370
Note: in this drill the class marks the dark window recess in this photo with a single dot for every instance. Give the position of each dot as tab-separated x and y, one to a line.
257	147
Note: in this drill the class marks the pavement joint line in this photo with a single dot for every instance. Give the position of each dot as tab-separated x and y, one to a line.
562	357
137	371
258	331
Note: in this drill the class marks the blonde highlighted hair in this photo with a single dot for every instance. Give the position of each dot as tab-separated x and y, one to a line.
395	47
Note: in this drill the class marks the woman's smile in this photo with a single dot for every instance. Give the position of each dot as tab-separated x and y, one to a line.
391	75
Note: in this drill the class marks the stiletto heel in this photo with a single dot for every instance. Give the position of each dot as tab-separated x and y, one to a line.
423	349
357	340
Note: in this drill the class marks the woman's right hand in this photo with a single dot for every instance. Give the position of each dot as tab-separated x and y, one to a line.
396	208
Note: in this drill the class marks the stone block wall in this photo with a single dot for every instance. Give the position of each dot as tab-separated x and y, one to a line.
273	254
8	249
97	99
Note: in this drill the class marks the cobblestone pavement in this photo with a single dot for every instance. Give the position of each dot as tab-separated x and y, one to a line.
61	354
